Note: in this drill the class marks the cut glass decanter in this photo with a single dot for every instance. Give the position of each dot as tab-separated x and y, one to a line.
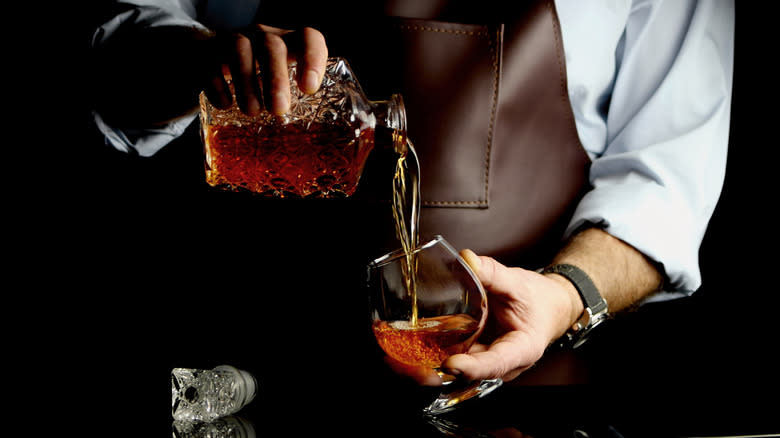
317	149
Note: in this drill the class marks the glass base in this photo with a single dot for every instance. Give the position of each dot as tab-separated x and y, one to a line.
450	399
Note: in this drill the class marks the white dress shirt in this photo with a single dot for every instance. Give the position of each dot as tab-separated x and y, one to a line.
649	83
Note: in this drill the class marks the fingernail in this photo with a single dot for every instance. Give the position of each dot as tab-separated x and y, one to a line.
452	371
472	260
311	82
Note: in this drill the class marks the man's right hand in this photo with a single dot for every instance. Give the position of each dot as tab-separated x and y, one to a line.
272	50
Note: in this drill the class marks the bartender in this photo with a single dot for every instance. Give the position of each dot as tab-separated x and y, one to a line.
578	149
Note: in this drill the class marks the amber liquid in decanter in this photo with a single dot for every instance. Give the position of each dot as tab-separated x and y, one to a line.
318	149
289	160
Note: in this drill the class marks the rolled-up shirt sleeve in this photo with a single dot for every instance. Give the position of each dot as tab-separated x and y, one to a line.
202	16
656	127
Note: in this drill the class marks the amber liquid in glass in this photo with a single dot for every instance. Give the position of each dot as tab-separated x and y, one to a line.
429	342
301	160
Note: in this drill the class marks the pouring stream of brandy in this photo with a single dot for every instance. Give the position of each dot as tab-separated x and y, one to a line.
406	212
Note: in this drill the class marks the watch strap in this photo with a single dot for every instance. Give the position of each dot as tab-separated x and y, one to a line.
584	285
595	305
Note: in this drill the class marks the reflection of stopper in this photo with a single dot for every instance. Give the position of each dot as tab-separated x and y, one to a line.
245	385
227	427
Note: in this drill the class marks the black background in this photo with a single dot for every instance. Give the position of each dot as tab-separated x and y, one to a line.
122	268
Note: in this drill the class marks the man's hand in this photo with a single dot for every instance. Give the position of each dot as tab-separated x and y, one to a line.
271	49
526	312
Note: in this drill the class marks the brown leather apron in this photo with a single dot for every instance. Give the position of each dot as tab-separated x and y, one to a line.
484	85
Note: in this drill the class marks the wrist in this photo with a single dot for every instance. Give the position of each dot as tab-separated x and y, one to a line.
595	308
572	304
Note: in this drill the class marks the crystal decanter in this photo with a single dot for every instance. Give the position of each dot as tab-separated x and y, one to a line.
318	149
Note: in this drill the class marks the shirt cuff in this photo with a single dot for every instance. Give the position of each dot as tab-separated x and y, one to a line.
143	141
650	218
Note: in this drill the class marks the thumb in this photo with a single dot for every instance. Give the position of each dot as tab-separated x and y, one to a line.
487	269
472	260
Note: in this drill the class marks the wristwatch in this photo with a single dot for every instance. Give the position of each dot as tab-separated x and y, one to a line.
596	310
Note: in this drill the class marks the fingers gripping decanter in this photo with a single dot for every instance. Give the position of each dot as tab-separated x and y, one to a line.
318	149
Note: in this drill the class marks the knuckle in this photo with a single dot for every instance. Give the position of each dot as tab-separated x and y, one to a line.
487	270
497	366
274	44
